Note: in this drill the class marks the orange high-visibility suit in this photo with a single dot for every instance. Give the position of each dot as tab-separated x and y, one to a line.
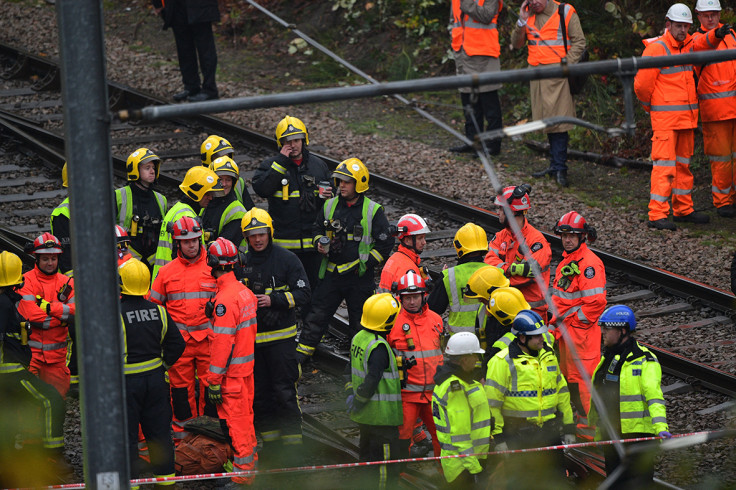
668	94
418	334
717	100
401	262
49	328
184	289
503	250
579	294
231	366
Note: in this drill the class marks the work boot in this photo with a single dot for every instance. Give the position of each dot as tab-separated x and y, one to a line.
462	149
178	97
562	178
694	217
201	97
662	224
726	211
421	448
544	173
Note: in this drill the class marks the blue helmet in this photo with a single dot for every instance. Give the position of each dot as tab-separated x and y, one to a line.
618	316
528	322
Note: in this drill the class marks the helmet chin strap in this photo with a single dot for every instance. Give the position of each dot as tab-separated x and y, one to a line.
532	352
413	245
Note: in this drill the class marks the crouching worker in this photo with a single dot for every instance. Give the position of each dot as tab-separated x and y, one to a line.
374	402
460	410
152	344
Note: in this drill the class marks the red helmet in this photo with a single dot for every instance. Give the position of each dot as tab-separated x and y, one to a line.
410	283
516	196
46	244
186	228
574	222
121	237
222	252
412	224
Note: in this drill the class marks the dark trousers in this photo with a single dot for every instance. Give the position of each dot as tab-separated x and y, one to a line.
638	469
379	443
549	466
487	106
149	404
195	48
327	296
311	262
558	150
277	413
22	394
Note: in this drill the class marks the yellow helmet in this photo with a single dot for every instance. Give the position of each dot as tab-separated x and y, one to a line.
199	181
505	304
255	221
11	269
484	281
64	176
379	312
291	128
135	278
470	238
141	155
225	166
354	169
214	147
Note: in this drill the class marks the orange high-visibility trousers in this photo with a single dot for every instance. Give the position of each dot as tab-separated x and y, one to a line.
719	140
55	373
671	176
185	401
237	410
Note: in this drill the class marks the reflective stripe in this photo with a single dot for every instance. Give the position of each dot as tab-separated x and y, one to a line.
675	69
719	95
38	345
674	107
270	336
142	367
537	304
294	243
421	354
191	295
683	160
681	192
278	168
418	388
291	194
528	413
242	360
386	397
11	367
659	420
305	349
194	328
658	198
721	191
242	461
634	415
654	400
719	158
584	293
663	163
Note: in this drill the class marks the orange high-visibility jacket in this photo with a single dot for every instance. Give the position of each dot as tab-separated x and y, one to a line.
668	93
548	47
717	81
581	303
425	329
184	289
49	331
401	262
476	38
234	327
504	251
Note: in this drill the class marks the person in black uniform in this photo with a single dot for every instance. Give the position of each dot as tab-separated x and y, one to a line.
152	344
191	21
280	284
353	236
222	216
23	393
296	173
61	227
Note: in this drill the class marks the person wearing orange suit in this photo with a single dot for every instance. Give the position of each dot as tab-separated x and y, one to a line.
184	287
717	101
47	302
416	337
540	27
230	375
507	253
668	95
412	235
579	295
475	48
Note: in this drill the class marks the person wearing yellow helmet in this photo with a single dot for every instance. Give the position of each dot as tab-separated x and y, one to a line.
60	226
290	181
221	218
352	235
140	209
215	147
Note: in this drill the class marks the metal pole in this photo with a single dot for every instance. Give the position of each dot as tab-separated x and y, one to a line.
426	84
98	331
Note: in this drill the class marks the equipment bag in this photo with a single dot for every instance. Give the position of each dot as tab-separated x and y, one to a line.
576	82
197	454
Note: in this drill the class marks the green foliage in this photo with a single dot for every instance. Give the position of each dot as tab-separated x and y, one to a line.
416	18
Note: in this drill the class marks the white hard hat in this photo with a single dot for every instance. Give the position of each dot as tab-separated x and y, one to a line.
463	343
680	12
708	6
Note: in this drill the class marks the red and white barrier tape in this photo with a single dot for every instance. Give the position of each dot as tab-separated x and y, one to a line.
677	441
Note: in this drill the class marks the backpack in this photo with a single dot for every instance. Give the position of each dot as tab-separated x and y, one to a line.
197	454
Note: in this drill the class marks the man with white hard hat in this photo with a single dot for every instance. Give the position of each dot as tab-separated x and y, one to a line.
669	96
717	100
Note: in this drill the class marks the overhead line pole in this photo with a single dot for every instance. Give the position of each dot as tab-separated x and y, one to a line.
616	66
98	331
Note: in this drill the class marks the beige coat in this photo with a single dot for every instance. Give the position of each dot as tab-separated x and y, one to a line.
551	97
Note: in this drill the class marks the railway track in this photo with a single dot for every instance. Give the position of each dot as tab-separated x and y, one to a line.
30	113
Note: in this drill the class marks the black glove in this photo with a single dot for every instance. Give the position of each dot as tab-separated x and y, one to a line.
723	31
